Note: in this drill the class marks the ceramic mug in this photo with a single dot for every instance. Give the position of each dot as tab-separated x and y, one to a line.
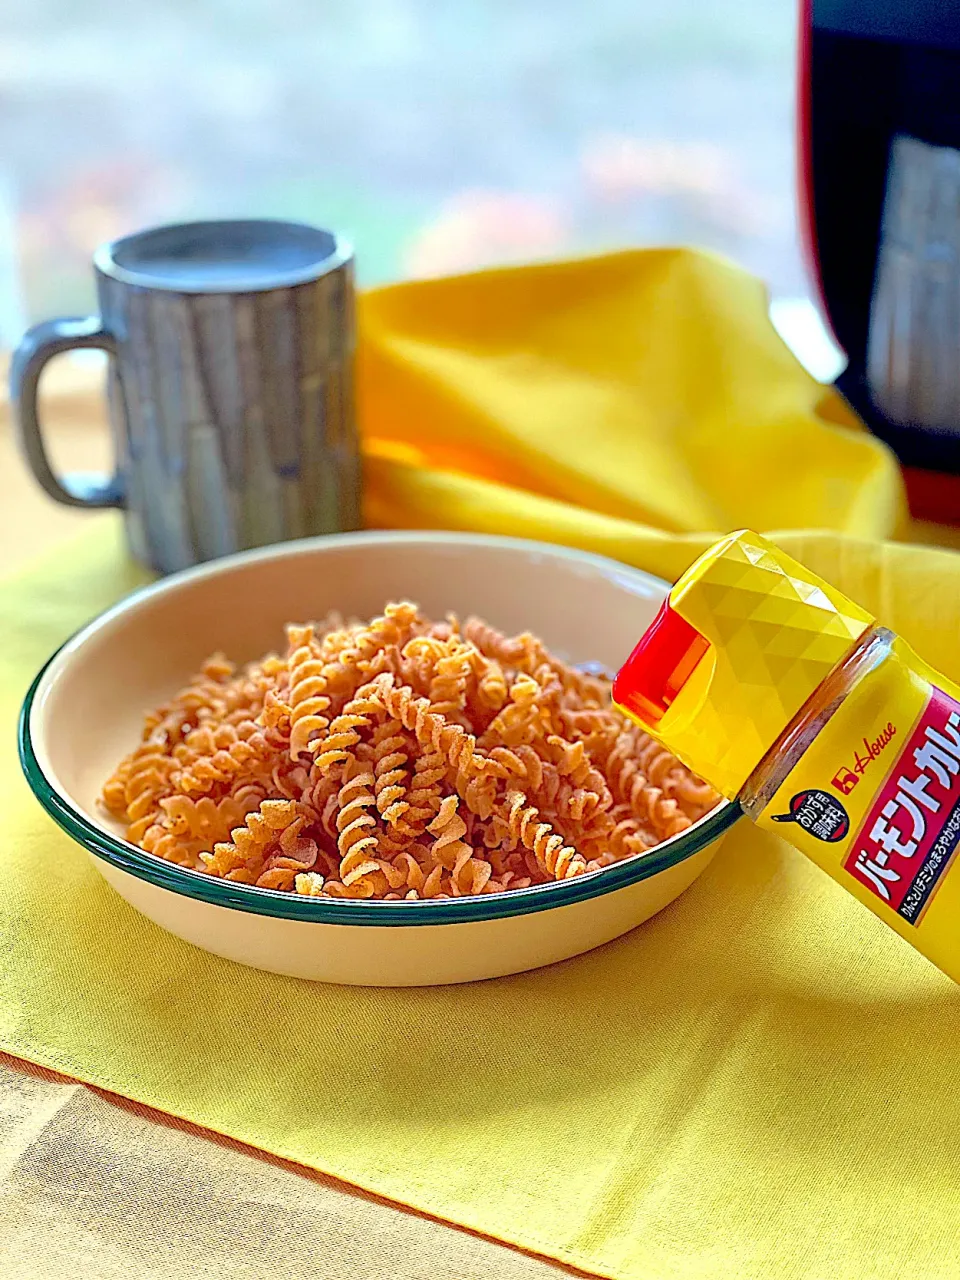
230	388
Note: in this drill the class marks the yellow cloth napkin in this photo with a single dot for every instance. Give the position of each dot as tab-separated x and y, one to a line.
622	397
758	1082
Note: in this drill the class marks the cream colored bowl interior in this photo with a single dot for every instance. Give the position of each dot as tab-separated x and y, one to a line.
88	709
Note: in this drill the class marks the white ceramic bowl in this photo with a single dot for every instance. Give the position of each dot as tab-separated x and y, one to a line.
84	712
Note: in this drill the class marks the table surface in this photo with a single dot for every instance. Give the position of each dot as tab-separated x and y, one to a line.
96	1185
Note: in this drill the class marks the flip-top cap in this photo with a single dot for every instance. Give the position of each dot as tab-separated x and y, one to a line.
741	642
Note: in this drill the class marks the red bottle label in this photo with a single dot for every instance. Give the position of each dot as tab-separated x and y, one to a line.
912	832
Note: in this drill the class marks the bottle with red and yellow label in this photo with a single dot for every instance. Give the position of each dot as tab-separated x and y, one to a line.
826	728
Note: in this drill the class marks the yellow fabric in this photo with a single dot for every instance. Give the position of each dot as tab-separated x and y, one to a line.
758	1082
644	387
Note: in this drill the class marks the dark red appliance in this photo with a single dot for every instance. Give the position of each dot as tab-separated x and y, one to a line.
871	70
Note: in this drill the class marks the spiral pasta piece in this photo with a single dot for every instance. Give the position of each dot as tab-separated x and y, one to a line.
451	741
114	794
524	826
448	828
242	856
468	875
208	820
344	732
295	854
147	779
494	644
308	692
161	841
350	654
520	721
356	845
451	674
423	801
390	757
492	689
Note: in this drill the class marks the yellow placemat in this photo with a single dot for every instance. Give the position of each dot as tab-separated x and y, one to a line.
757	1083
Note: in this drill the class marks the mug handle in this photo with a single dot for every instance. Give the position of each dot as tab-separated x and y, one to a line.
38	345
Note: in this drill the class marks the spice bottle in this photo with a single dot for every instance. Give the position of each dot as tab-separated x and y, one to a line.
823	725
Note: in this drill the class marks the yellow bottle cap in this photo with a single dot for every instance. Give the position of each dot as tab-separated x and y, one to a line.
742	641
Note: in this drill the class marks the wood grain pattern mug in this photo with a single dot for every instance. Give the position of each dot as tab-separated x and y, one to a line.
230	388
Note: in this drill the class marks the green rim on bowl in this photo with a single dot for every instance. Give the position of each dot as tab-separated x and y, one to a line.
271	902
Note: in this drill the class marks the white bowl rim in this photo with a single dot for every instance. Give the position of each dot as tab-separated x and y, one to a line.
271	902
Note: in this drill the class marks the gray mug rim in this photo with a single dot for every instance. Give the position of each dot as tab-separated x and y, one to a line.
104	259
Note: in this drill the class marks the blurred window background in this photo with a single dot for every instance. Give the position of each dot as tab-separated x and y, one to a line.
440	135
